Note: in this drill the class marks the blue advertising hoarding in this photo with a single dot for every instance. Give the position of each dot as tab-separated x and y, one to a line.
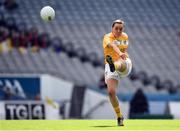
26	87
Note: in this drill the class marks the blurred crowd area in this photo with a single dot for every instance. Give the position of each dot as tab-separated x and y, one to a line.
28	45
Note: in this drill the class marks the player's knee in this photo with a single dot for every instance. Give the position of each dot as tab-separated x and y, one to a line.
111	92
122	68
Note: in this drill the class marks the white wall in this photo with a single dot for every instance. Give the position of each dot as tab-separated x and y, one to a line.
55	88
2	111
175	109
105	110
157	107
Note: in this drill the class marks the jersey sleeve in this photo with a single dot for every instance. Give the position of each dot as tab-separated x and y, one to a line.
106	41
126	39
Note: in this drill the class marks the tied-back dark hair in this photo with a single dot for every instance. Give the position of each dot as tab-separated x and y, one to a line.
117	21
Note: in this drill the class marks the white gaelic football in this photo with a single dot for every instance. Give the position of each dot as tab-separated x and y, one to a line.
47	13
128	68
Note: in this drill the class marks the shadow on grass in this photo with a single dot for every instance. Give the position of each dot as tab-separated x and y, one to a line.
103	126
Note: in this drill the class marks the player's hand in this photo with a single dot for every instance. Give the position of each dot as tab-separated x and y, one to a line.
123	56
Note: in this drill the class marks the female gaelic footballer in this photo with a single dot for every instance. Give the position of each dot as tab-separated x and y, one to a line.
117	63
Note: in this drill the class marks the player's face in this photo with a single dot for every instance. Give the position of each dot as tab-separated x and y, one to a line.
117	29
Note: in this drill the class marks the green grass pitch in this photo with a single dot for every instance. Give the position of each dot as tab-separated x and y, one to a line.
104	125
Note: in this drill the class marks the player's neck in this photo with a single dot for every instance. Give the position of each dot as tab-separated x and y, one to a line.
115	36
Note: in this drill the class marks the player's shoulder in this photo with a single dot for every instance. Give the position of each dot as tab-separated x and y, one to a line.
125	35
108	35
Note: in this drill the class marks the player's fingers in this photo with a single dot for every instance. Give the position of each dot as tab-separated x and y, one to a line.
123	57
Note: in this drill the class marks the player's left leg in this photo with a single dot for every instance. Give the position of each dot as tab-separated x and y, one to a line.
112	86
111	63
119	65
122	68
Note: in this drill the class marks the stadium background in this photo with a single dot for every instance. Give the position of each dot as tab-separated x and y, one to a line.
61	62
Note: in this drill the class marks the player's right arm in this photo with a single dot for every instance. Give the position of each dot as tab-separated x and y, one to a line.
112	43
107	42
116	49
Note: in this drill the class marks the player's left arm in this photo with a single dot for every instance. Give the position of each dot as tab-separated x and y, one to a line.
126	42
